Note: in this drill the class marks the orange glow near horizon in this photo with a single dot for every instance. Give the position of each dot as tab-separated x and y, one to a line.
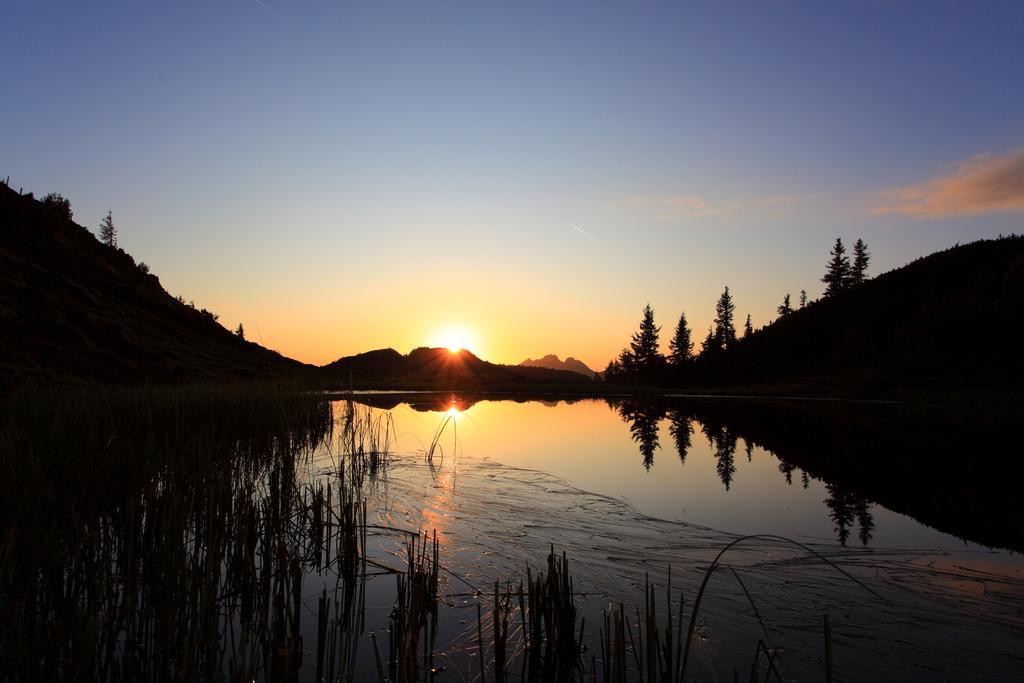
494	324
455	338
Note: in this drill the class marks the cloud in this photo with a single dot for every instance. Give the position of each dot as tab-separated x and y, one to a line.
673	208
580	230
981	185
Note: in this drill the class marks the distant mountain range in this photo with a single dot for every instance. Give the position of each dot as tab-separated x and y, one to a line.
947	327
443	369
552	362
76	311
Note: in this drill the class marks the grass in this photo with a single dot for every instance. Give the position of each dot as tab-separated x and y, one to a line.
164	533
185	534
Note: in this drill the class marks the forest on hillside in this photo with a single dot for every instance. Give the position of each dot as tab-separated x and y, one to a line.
945	323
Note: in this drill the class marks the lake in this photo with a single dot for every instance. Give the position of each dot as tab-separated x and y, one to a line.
633	488
254	534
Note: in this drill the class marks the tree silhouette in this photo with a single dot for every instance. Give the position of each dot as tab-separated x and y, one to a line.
784	308
748	329
725	331
58	204
681	429
865	520
711	345
837	270
846	506
861	256
787	470
240	331
803	298
723	441
681	345
644	346
643	428
725	456
627	361
613	371
108	233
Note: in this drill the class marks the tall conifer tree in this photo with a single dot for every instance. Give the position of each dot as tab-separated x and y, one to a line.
837	270
711	344
725	330
861	256
108	233
682	343
784	308
644	346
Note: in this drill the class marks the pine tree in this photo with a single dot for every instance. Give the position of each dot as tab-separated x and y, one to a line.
644	346
837	270
784	308
725	331
748	329
613	371
240	331
711	344
861	256
108	233
681	344
803	298
59	204
626	361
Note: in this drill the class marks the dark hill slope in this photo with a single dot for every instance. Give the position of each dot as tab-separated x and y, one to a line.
441	369
75	310
947	324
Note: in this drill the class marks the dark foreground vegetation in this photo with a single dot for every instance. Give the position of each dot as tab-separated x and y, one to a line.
156	535
186	534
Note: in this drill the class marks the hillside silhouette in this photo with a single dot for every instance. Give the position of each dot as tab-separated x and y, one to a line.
440	368
73	309
951	322
946	326
552	362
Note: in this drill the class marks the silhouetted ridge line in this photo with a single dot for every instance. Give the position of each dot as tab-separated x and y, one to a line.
76	310
440	368
946	326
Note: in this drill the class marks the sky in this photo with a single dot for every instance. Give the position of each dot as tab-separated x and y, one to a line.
521	178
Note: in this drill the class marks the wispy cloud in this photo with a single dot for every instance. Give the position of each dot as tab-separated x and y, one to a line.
580	230
265	6
981	185
691	206
672	208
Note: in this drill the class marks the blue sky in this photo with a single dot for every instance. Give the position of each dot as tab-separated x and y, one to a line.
347	176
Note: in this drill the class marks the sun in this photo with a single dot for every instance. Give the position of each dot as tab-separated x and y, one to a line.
455	338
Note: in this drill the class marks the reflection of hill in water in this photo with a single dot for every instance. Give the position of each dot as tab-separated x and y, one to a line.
614	549
440	402
952	471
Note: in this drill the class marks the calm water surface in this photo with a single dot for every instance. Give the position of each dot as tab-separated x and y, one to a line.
629	493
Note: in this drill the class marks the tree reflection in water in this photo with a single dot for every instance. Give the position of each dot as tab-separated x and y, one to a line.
847	509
